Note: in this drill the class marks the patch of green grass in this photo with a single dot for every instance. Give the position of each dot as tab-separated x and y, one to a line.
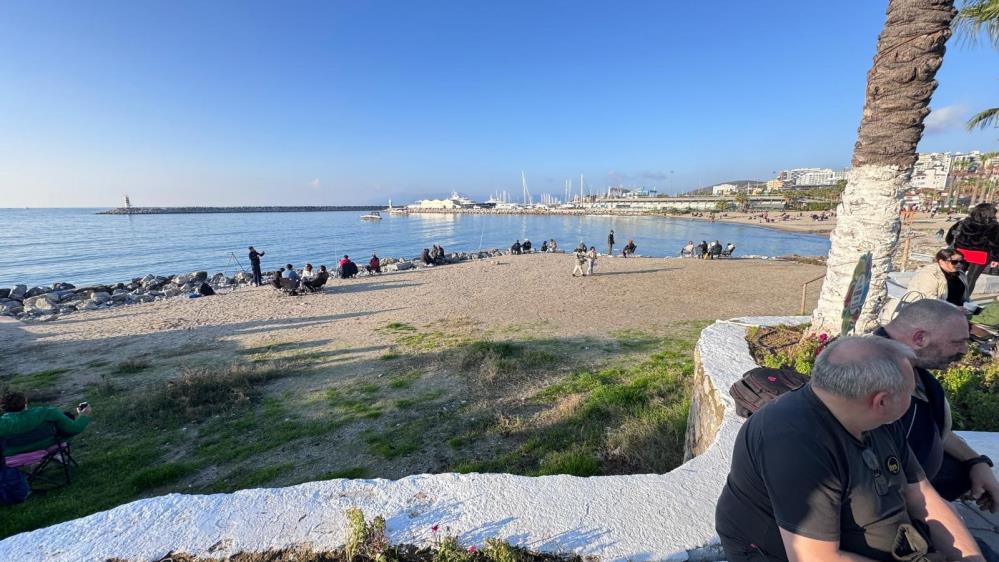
575	462
202	392
160	475
463	440
644	404
37	380
404	380
398	327
241	478
237	437
430	341
418	400
369	388
398	441
131	366
352	407
390	356
496	361
351	473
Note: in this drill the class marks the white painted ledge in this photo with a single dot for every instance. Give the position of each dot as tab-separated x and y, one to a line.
639	517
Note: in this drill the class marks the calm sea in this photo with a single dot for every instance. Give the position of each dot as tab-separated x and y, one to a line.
43	246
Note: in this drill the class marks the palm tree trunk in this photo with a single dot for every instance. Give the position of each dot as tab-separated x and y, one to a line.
899	85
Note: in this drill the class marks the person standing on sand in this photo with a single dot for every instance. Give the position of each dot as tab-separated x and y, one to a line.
610	243
580	256
591	259
255	265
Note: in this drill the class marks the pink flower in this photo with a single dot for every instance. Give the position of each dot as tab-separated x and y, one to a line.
435	528
472	549
823	337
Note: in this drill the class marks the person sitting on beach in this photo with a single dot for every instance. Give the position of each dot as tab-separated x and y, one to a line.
544	246
552	245
375	265
716	249
278	276
688	250
729	248
526	246
425	256
516	249
348	269
308	273
702	249
439	257
18	419
435	254
319	280
629	248
290	273
591	260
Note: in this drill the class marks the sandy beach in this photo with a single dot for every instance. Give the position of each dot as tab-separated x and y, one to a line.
532	290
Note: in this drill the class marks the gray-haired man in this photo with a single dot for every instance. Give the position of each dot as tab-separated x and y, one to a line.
823	473
937	333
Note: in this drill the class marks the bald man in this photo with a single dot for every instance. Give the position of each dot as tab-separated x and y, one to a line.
937	333
824	474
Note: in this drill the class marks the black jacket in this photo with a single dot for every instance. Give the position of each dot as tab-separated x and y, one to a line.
975	236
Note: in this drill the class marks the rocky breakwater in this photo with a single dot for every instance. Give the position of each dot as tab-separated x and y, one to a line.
51	301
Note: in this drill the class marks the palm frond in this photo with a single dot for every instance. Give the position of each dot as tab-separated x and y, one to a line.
984	119
977	16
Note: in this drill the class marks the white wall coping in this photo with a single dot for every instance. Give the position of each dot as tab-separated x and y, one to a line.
638	517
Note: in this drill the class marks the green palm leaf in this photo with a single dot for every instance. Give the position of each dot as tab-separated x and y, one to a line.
987	118
977	16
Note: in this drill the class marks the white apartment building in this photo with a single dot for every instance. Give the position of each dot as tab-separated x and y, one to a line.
931	171
724	189
812	176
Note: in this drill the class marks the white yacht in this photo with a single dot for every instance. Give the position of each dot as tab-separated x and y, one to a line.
372	216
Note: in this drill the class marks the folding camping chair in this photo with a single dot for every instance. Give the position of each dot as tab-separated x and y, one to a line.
36	452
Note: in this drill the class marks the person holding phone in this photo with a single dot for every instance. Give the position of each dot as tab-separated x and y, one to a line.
17	418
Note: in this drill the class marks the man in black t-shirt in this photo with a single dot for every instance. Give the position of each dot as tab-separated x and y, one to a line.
937	333
817	474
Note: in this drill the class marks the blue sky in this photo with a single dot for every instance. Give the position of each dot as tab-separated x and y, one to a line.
357	101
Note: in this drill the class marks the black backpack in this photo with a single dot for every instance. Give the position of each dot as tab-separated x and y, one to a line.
762	385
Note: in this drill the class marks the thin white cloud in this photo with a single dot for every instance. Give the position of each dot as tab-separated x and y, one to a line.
945	118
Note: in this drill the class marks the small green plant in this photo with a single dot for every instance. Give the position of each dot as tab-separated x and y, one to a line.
793	349
972	387
448	549
497	550
365	539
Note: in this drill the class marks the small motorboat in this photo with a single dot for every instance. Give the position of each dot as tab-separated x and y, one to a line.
372	216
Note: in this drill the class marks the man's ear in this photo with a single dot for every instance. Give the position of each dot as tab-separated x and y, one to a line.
920	338
879	400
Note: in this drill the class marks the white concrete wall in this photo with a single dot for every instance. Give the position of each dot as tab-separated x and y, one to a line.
640	517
